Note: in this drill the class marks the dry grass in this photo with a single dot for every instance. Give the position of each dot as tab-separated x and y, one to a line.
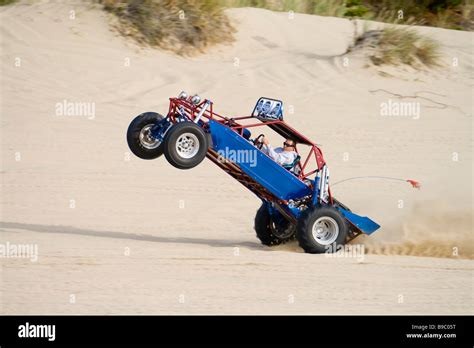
6	2
405	46
185	27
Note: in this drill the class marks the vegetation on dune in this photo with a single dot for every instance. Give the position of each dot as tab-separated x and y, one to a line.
6	2
391	45
190	26
450	14
406	46
399	45
182	26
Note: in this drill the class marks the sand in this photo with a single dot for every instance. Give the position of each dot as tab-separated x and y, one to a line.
120	235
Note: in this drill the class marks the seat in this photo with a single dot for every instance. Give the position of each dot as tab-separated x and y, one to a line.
292	166
246	134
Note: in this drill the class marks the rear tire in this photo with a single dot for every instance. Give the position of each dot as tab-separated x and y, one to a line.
185	145
321	230
267	230
139	140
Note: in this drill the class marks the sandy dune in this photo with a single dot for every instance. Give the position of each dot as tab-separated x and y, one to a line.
117	234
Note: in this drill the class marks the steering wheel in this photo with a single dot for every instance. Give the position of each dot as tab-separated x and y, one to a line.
258	141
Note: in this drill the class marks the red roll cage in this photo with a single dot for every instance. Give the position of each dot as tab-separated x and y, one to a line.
192	111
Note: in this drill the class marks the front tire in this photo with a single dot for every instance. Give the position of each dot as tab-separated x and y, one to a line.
139	138
269	231
185	145
321	230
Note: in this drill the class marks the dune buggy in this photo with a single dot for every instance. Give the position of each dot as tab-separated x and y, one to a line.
296	199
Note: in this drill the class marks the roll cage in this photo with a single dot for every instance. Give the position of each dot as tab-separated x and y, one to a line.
183	109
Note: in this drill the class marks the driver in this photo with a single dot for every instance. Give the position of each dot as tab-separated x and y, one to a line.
285	155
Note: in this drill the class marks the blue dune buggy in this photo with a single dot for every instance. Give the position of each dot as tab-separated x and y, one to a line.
296	199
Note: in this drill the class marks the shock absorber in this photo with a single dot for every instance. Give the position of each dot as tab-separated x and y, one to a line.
203	110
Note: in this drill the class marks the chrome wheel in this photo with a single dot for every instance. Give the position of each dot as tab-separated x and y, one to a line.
325	230
147	140
187	145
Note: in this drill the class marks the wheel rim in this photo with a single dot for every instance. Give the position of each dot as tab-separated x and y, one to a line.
147	140
187	145
280	231
325	230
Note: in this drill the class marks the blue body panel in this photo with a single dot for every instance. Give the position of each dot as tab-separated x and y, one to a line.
363	223
276	179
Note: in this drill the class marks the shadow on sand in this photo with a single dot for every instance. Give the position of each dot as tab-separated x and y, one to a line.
124	235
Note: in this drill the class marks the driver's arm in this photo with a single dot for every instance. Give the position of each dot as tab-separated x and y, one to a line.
280	158
268	149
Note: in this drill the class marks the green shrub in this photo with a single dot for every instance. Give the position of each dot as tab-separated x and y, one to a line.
356	11
6	2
